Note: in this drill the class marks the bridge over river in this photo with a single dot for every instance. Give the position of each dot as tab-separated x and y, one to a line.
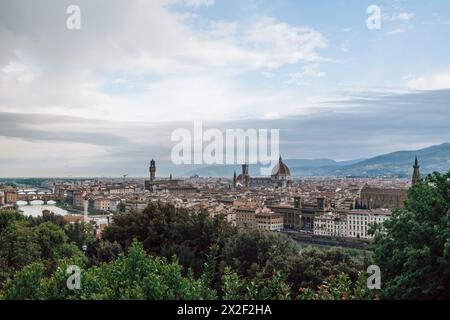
45	195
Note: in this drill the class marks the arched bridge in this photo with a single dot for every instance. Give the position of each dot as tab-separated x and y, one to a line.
31	196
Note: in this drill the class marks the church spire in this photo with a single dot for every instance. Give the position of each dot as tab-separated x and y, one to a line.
416	172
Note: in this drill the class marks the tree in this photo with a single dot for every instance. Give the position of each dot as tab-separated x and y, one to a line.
413	248
312	266
167	231
48	216
28	240
251	251
259	287
338	287
121	207
134	275
106	251
26	283
161	252
18	247
82	234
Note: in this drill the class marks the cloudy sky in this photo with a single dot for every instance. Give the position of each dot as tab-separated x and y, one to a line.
104	99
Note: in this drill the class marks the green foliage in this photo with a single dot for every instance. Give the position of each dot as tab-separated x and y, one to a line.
312	266
259	287
28	240
121	207
414	251
252	251
48	216
7	217
166	231
18	247
161	252
105	251
339	287
80	234
26	284
135	275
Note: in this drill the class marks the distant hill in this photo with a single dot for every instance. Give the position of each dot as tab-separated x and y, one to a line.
434	158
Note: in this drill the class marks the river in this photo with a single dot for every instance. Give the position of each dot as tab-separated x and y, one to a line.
35	209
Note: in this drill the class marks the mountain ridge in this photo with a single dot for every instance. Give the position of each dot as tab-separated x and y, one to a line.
397	163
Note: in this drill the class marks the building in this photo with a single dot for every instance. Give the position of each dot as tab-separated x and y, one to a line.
121	190
330	224
10	195
359	221
268	220
280	177
152	170
231	217
245	216
179	189
372	197
168	185
73	218
301	215
244	179
78	200
260	218
101	203
353	224
377	197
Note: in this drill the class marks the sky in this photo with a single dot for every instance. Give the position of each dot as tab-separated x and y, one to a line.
104	99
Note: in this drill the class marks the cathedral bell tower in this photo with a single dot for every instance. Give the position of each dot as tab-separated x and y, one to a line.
245	175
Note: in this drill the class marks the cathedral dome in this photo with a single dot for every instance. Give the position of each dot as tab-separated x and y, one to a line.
281	169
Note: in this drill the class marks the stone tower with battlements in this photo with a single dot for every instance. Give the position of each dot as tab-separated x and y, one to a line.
152	170
416	172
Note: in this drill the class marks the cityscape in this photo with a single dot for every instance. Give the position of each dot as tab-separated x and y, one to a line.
316	210
221	157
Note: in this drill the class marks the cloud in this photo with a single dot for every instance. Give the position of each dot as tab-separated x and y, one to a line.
198	3
401	20
104	99
400	16
396	31
345	46
44	151
35	127
437	81
282	43
311	70
363	125
122	62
